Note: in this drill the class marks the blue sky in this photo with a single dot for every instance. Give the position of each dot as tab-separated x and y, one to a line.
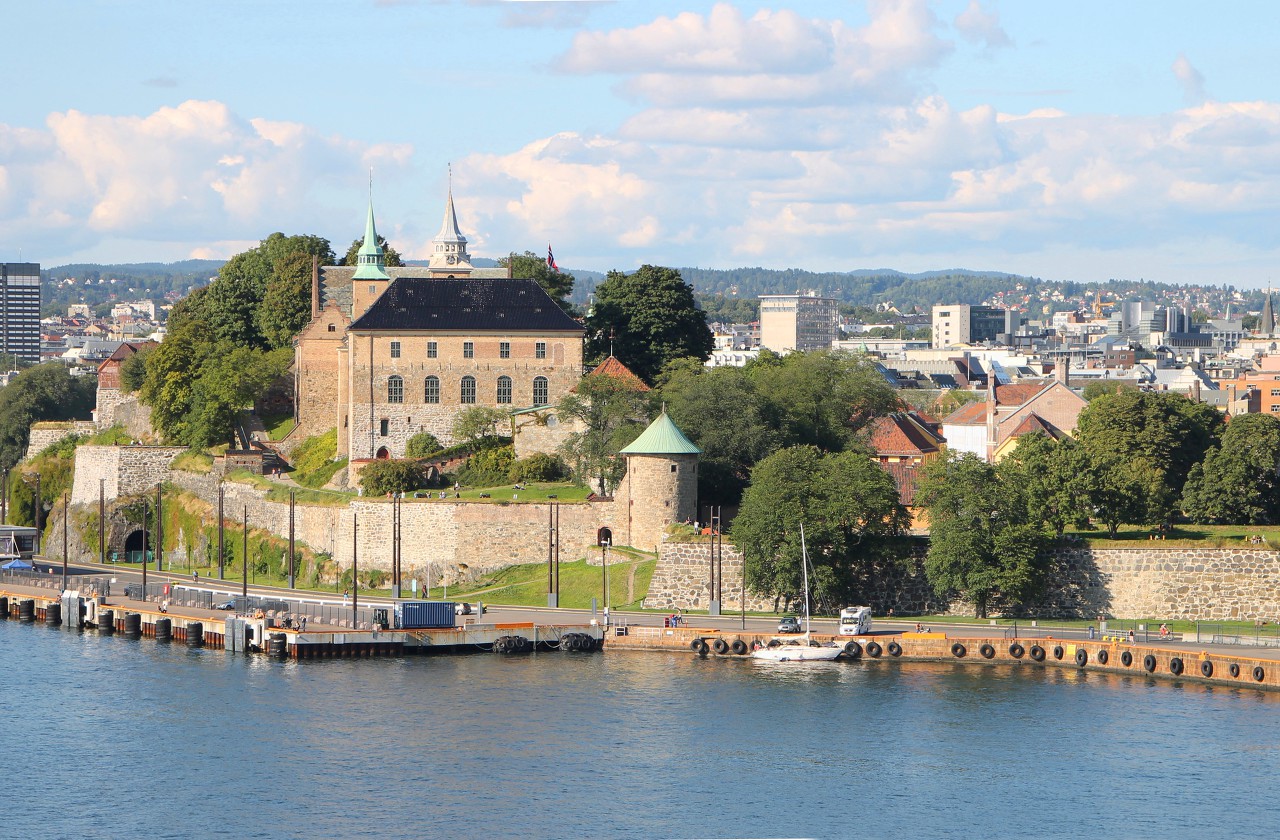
1081	140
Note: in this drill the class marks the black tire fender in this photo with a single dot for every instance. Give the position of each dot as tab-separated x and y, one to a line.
1149	663
1037	653
1258	674
895	649
1234	670
1103	657
703	647
1175	665
720	646
1126	659
1058	651
987	650
874	650
1082	657
958	650
1016	650
852	649
739	647
1206	668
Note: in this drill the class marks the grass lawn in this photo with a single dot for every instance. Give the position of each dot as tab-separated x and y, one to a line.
278	425
526	585
1186	536
532	492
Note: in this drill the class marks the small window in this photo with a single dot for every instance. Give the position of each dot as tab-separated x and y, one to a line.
540	350
468	391
504	349
431	393
373	290
675	468
540	390
383	426
433	350
333	328
395	389
504	390
468	350
395	349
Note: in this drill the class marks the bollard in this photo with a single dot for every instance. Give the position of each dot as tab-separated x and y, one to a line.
164	629
53	615
27	610
195	634
107	622
133	625
4	608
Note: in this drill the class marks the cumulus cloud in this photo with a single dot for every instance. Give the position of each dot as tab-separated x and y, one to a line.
195	171
1190	79
979	26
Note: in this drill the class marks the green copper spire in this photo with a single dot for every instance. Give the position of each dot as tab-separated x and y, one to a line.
371	260
661	438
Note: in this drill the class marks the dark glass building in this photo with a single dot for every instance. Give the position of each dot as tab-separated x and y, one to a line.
20	310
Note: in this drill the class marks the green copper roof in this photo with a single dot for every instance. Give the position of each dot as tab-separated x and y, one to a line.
371	259
661	438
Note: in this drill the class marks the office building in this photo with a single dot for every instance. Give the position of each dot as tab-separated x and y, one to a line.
20	310
961	323
798	322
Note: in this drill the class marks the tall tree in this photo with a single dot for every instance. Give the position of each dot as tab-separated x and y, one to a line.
390	256
1238	482
980	544
847	504
42	392
286	301
530	266
647	318
610	413
1056	480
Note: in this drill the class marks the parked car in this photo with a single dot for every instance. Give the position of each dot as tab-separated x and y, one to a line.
790	624
225	605
463	608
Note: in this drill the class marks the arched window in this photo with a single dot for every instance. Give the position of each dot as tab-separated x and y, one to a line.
468	390
504	390
395	389
539	390
431	393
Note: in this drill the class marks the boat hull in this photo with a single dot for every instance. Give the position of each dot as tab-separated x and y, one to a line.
796	653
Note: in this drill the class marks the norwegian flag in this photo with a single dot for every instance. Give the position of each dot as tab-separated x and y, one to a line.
551	260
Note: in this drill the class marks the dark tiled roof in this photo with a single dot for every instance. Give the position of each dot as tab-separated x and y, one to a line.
335	280
466	305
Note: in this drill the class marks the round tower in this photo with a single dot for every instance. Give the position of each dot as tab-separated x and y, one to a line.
661	485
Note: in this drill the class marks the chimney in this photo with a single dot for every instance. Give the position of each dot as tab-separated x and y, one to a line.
1062	371
315	286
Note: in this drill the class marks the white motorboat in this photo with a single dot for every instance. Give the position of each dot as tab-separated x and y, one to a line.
800	648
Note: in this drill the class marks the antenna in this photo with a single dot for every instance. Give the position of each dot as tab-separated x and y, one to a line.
370	183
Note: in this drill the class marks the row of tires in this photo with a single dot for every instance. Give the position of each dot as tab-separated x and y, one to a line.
719	646
1103	657
580	642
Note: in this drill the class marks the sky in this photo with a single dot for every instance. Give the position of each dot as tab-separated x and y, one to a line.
1078	140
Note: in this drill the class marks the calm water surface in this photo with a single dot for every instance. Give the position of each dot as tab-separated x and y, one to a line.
105	737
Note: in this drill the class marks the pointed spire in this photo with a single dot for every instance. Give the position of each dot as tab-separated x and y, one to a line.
371	261
1267	322
449	248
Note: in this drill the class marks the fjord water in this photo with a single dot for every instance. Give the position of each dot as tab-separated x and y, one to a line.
105	737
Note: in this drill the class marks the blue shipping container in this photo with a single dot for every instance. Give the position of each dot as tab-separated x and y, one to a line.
415	615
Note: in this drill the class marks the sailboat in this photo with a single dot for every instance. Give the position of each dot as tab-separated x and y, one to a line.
799	648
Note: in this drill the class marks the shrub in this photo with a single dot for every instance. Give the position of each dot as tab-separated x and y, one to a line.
313	460
421	445
399	476
488	467
539	467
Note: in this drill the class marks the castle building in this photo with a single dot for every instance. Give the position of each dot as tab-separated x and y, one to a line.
662	466
391	352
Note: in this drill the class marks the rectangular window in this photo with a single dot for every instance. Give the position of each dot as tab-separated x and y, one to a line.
395	349
383	426
504	349
431	392
540	350
1275	392
433	350
373	290
468	350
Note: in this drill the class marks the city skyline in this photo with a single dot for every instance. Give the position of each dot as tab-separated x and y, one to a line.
1070	142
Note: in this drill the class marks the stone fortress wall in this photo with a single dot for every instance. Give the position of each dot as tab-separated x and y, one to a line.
44	435
1204	584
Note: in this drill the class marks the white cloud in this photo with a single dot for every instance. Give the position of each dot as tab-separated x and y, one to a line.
982	27
1192	81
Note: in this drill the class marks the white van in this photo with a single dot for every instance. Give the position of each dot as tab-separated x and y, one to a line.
855	621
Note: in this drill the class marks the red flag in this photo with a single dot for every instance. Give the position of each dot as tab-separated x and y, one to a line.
551	260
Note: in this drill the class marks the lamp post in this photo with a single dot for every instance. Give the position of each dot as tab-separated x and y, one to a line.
64	541
102	520
604	570
159	527
144	548
292	503
4	499
244	557
38	504
222	522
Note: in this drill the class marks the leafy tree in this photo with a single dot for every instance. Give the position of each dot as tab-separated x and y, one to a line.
539	467
1099	387
1238	482
648	318
1150	441
847	505
378	478
390	256
725	413
980	544
133	370
488	467
477	424
39	393
286	302
824	398
558	284
610	413
421	445
1055	478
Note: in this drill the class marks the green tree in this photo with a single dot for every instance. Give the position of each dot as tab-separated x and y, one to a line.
648	318
847	505
1146	442
378	478
39	393
286	301
980	544
611	413
477	424
1099	387
133	370
1055	478
1238	482
390	256
723	411
558	284
825	398
421	445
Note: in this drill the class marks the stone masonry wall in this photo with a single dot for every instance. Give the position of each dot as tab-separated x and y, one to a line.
104	415
44	435
126	469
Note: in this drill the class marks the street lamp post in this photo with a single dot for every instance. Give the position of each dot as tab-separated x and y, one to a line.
292	503
244	556
38	505
159	527
64	541
604	571
144	548
4	499
102	520
222	522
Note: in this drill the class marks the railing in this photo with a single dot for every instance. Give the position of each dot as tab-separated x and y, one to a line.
1262	635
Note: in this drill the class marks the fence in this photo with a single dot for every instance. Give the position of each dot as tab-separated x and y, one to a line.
1262	635
94	584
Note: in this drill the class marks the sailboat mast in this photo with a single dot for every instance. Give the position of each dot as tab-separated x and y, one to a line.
804	558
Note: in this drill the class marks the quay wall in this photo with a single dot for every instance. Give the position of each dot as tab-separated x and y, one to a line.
1195	584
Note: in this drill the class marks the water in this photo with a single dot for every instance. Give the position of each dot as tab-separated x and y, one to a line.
106	737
